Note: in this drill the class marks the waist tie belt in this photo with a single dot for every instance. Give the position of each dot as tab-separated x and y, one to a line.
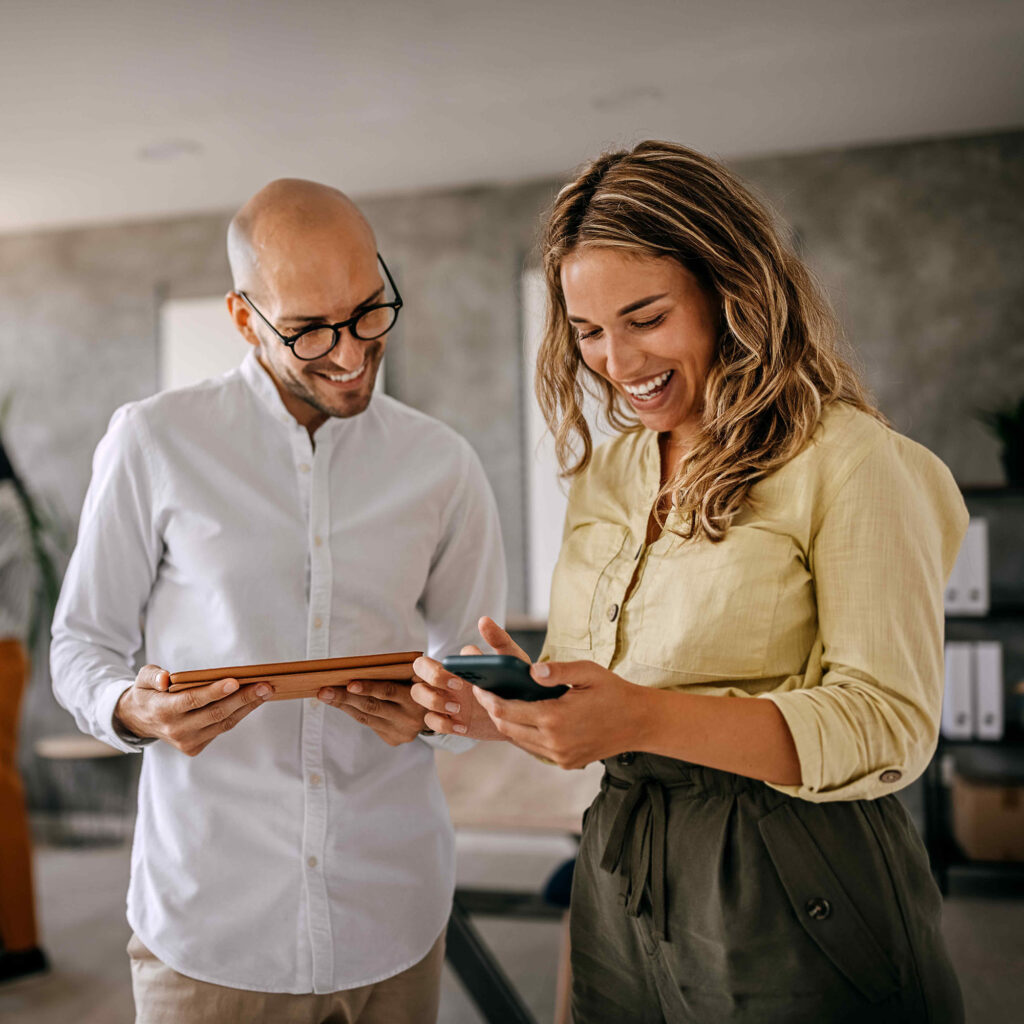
636	845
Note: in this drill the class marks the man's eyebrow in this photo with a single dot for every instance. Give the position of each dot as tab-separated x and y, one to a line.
631	307
322	319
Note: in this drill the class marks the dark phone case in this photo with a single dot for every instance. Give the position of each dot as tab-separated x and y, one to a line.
501	674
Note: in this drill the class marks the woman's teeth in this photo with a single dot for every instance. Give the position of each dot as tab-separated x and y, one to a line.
646	391
344	378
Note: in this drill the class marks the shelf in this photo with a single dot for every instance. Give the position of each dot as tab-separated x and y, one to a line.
990	491
1000	610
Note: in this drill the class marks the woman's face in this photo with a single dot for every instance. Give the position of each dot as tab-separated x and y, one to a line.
647	326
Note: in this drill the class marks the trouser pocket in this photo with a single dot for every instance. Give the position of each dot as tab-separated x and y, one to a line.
824	908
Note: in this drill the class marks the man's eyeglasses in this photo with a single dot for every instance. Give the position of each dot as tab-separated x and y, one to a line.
368	324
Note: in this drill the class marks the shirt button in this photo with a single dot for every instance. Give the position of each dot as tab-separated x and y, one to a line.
315	780
313	702
627	758
891	775
317	623
818	908
318	540
613	612
312	862
303	467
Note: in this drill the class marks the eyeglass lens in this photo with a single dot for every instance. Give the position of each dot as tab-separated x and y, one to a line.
371	325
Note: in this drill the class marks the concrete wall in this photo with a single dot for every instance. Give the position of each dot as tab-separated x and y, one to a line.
921	247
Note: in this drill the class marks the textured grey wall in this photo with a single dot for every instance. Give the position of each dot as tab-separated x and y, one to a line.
921	247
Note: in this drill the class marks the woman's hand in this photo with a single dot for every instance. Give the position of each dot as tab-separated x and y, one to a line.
451	702
601	715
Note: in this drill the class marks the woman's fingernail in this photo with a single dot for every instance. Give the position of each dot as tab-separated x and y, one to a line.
326	696
230	686
452	707
541	670
459	728
263	690
355	688
454	684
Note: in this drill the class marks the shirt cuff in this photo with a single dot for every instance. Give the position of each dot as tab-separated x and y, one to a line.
108	731
449	741
811	741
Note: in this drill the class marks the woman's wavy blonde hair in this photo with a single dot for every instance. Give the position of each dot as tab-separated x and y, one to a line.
777	363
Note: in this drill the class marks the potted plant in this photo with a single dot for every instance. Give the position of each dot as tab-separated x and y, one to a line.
1007	425
49	540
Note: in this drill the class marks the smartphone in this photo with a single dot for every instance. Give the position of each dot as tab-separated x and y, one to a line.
501	674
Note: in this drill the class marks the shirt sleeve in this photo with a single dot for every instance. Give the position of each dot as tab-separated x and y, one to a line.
865	714
467	575
97	628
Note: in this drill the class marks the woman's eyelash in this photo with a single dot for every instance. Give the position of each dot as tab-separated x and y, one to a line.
643	325
653	322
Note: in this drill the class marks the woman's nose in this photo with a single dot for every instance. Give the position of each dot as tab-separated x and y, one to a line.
622	361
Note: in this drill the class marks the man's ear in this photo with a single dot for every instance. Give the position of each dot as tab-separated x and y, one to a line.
238	310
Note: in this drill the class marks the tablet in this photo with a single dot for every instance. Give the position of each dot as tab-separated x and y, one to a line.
292	679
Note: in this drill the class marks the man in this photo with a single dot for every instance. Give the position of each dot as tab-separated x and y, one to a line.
293	861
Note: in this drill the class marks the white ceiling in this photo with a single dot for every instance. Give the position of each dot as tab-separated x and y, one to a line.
115	110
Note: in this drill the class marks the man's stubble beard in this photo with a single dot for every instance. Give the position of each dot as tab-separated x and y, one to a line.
301	389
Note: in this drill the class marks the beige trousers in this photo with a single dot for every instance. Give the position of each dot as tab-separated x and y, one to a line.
163	996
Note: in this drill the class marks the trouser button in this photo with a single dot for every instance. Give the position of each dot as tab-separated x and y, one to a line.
626	759
818	908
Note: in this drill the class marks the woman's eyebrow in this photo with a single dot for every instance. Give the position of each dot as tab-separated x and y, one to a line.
322	319
631	307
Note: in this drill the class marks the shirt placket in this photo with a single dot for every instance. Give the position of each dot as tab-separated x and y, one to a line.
312	472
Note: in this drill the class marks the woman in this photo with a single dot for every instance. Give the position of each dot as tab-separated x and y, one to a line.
748	608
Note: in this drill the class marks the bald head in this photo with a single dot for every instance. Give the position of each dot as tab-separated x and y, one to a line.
286	218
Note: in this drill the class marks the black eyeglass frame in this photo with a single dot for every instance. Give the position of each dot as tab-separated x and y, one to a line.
291	340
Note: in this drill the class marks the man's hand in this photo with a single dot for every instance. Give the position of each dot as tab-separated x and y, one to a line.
450	701
384	706
189	719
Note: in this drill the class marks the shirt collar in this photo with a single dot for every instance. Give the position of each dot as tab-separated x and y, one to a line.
262	385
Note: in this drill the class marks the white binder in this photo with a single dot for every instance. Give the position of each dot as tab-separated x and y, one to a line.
988	690
967	592
957	701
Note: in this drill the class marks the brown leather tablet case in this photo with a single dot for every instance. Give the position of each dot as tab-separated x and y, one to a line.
292	679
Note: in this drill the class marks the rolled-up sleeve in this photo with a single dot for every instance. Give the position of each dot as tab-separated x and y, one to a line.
97	630
865	715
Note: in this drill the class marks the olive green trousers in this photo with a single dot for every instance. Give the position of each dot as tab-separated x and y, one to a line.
705	897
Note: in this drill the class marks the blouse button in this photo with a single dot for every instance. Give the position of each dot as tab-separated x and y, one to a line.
613	612
304	467
818	908
891	775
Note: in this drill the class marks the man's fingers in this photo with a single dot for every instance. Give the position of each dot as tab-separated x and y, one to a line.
196	697
153	677
382	689
500	640
228	722
222	708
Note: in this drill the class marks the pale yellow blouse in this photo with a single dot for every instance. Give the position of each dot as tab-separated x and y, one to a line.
825	596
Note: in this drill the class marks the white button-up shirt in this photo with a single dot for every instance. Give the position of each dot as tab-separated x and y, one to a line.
298	852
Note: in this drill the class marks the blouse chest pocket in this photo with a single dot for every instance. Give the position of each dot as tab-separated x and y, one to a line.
708	609
583	562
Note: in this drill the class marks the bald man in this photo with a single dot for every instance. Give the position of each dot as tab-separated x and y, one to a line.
293	860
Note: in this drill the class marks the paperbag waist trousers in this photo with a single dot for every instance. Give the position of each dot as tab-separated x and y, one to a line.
702	896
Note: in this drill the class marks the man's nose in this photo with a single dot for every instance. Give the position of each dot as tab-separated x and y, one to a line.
347	355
